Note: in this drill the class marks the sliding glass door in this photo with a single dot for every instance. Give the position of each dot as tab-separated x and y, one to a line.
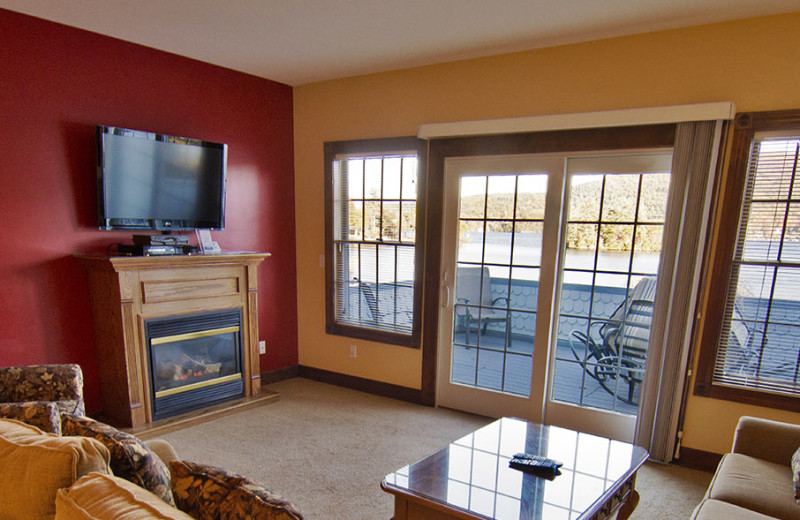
548	283
613	216
495	219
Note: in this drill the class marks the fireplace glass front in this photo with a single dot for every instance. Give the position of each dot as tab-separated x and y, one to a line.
195	361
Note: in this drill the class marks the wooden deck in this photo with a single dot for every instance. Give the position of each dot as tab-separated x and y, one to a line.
489	366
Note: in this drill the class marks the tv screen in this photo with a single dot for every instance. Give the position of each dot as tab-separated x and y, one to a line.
155	181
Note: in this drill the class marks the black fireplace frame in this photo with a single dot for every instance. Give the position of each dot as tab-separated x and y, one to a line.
206	395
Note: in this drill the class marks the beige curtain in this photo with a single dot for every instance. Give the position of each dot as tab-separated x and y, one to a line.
693	164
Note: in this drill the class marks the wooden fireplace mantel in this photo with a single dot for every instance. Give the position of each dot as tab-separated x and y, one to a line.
127	290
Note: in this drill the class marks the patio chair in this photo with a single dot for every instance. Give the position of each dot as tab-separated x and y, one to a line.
396	310
744	344
474	302
619	351
750	352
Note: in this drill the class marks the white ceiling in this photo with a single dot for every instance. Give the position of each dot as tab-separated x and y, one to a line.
303	41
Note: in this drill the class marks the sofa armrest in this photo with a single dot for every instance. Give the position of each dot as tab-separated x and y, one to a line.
163	449
765	439
42	414
62	384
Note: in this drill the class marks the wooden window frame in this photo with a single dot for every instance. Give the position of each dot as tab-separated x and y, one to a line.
374	146
729	202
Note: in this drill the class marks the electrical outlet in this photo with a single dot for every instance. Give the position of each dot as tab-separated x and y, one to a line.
353	351
262	347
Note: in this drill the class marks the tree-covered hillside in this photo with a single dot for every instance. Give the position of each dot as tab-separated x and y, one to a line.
619	197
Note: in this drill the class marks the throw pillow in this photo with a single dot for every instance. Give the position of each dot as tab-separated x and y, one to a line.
796	475
35	465
207	492
42	414
253	502
106	497
131	459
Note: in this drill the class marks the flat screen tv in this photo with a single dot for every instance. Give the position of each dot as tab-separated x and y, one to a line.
159	182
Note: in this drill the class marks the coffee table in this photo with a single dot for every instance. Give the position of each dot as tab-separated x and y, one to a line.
471	479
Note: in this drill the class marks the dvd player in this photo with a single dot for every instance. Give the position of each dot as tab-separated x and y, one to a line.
161	240
156	250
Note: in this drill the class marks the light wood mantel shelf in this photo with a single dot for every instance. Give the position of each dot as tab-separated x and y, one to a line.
127	290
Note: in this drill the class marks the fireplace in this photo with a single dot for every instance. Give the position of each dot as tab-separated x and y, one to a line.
129	292
194	361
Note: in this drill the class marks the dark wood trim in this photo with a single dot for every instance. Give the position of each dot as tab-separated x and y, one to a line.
727	225
726	228
279	374
431	289
390	144
770	120
741	395
378	336
698	459
622	138
361	384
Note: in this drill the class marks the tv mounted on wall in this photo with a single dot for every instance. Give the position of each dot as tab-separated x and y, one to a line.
159	182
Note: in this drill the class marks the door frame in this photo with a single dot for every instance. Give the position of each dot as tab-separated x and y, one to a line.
597	139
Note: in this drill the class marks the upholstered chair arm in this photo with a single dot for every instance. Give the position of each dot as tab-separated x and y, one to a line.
62	384
42	414
764	439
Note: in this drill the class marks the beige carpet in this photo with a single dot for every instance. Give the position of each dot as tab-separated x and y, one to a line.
327	449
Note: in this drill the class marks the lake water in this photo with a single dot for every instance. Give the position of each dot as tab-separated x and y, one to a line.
526	255
527	251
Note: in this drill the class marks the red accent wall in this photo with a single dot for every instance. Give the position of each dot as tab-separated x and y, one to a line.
56	84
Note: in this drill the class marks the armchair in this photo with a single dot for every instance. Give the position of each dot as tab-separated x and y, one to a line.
38	394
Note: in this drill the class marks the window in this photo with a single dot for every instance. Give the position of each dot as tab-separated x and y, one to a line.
749	349
373	214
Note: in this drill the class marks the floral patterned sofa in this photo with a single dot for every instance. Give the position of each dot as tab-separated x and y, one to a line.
38	394
59	464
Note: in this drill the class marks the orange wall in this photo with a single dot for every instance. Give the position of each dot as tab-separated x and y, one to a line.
752	63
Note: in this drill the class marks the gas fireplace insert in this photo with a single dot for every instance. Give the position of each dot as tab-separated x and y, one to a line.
195	361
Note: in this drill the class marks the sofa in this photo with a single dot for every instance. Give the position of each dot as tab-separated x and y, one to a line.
60	464
758	480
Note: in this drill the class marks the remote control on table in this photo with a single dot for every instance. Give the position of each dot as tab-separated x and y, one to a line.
535	464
